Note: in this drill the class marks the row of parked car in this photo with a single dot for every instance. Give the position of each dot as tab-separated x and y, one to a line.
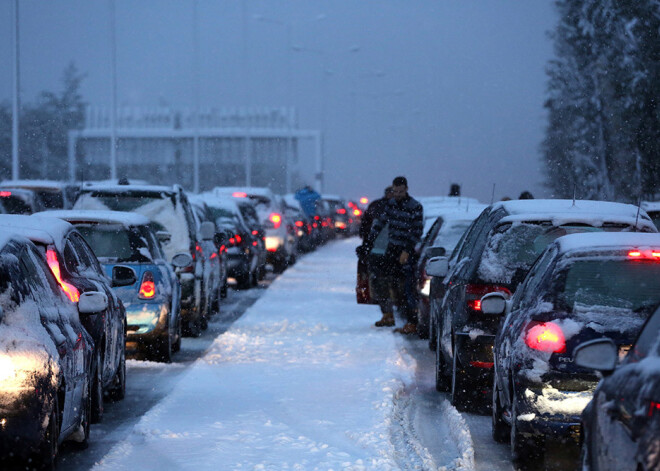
95	272
529	304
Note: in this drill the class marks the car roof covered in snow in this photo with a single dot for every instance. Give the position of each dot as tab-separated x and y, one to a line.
291	201
651	205
264	192
34	184
559	212
599	241
215	201
114	188
332	198
41	229
89	215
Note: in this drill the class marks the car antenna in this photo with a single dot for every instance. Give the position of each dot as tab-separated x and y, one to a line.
492	196
639	208
574	192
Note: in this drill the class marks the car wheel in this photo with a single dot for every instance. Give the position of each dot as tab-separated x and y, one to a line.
524	450
460	385
193	327
176	346
244	280
223	290
501	430
46	458
161	349
441	380
118	391
97	390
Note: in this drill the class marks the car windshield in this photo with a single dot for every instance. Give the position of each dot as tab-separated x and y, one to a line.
115	243
512	248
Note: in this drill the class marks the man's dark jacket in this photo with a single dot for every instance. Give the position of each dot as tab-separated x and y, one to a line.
406	224
373	211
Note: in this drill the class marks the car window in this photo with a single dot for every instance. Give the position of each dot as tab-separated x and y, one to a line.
537	275
43	288
86	255
71	261
648	342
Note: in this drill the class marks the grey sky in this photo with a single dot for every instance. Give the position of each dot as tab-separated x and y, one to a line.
439	90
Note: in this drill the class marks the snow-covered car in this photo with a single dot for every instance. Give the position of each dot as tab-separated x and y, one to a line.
494	256
168	209
583	287
77	271
21	201
621	424
53	194
280	245
341	216
46	359
441	238
125	244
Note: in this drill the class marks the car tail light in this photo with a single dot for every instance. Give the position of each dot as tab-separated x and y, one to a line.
364	200
644	255
474	293
357	212
315	225
5	194
232	241
299	224
654	408
276	219
239	194
255	232
341	211
340	225
71	291
546	337
147	287
238	239
254	243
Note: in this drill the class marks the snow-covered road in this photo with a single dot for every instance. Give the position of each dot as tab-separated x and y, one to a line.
302	381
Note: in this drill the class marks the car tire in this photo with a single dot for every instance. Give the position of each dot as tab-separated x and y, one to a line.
176	346
46	457
524	451
441	380
501	431
161	349
118	390
244	281
193	327
460	385
97	390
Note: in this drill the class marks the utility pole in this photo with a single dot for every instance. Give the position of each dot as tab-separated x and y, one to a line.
196	100
113	111
16	98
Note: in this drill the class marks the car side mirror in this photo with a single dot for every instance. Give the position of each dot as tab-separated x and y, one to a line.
436	252
92	302
437	266
494	304
207	230
163	237
182	260
123	276
600	355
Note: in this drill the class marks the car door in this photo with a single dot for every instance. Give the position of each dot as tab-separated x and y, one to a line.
89	268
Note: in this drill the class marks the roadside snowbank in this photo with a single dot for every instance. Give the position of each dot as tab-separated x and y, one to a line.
302	381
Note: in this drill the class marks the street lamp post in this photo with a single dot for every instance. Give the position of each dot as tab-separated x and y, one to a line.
16	98
113	111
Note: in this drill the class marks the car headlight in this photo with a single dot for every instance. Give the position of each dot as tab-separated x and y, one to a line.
426	289
7	369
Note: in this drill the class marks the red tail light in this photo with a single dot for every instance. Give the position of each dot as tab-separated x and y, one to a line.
239	194
276	219
254	243
654	408
341	211
71	291
5	194
232	241
474	293
644	255
147	287
635	254
238	239
255	232
357	212
299	224
546	337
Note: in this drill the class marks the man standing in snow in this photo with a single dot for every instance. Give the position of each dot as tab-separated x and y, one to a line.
393	237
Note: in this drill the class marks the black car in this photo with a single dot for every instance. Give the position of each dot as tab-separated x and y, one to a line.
621	425
46	359
494	256
21	201
77	270
583	287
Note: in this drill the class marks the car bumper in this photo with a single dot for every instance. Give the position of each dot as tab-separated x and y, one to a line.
22	429
146	322
550	413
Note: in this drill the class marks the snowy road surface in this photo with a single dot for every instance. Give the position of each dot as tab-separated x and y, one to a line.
302	381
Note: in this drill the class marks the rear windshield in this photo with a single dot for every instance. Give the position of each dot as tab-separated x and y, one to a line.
627	284
161	210
655	217
16	205
512	248
450	233
115	243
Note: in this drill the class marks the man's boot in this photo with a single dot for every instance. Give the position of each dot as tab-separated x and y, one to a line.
407	329
386	321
